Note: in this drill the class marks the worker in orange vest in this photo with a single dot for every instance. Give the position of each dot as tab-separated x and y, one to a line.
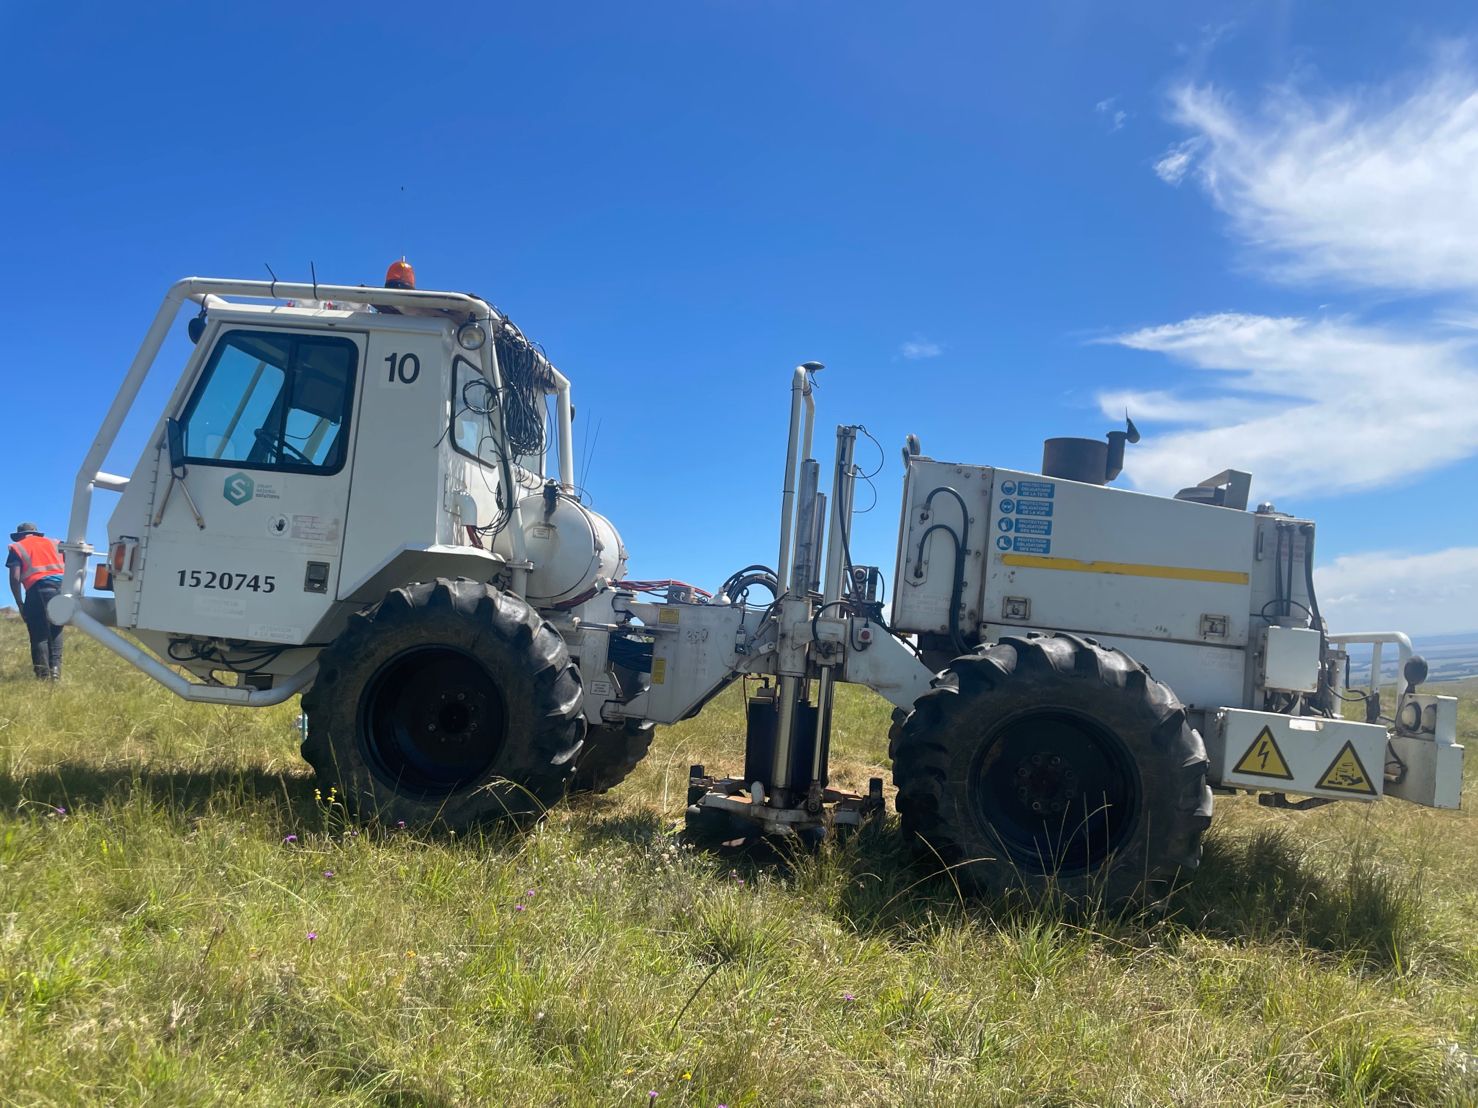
36	566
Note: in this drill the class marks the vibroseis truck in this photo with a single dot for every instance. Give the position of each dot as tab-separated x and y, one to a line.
351	495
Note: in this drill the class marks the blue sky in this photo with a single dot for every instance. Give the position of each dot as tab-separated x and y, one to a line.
1254	224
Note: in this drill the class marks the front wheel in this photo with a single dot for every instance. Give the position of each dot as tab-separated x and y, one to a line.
1054	762
449	702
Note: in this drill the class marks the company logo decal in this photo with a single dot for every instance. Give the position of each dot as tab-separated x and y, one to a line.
239	489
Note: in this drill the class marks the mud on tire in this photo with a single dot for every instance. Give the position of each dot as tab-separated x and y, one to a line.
449	702
1053	762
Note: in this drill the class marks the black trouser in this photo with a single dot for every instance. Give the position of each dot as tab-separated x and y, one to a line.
46	637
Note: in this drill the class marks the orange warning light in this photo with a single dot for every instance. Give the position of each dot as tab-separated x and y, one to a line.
400	275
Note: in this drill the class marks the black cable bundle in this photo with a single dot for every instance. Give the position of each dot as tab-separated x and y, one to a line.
525	382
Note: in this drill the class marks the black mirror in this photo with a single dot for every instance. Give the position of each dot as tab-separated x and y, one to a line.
174	438
196	327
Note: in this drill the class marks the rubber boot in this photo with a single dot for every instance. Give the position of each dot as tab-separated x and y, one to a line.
56	673
42	673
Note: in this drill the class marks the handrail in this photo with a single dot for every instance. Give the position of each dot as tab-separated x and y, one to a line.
1376	640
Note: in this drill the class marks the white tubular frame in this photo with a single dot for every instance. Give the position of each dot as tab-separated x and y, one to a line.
1376	640
205	290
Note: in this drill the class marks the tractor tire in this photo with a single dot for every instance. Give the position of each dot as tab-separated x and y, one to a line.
1052	763
610	754
449	703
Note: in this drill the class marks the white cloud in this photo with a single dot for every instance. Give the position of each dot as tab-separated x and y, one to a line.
1116	116
1374	188
1307	406
1176	162
917	348
1158	405
1424	594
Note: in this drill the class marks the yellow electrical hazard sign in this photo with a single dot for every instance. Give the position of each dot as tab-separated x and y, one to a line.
1347	774
1264	759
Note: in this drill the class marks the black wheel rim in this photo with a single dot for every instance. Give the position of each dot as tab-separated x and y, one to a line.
1056	790
432	720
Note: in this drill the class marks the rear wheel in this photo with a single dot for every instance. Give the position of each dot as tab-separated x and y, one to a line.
1054	762
448	702
610	754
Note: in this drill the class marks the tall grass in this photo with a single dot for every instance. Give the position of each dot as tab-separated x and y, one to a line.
183	921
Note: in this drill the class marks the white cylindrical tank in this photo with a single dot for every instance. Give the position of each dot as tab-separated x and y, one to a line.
570	546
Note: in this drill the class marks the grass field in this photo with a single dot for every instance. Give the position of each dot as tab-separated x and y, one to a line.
182	921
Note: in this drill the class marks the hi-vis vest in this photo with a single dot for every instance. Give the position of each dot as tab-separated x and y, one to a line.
39	558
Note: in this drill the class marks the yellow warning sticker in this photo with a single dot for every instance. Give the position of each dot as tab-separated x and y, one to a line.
668	615
659	671
1264	759
1347	774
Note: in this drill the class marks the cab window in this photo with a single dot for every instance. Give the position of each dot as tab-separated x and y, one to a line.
273	400
472	405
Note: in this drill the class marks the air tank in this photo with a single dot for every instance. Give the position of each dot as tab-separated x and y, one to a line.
571	548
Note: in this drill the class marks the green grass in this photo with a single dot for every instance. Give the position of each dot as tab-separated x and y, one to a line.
154	942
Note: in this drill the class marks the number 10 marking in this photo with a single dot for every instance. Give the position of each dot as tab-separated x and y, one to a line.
404	368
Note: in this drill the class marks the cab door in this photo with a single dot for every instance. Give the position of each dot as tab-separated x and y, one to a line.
245	531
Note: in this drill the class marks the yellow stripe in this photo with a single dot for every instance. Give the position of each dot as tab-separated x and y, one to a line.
1127	569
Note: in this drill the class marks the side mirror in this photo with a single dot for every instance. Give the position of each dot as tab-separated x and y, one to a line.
174	438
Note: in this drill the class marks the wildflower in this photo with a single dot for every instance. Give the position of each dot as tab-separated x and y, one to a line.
400	823
289	838
687	1075
410	953
518	907
328	873
529	892
312	936
60	811
317	795
651	1094
848	997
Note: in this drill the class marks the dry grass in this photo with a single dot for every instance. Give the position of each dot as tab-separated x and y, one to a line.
155	914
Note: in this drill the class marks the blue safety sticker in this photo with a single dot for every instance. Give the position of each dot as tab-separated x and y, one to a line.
1008	506
1032	546
1031	526
1008	488
1004	523
1041	489
1034	507
1003	543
